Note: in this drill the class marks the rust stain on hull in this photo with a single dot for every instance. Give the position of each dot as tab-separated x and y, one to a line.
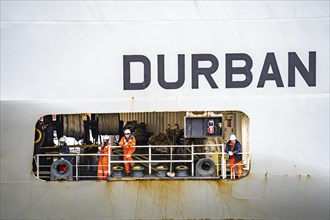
171	199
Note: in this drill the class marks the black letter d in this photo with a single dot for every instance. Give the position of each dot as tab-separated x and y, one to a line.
128	85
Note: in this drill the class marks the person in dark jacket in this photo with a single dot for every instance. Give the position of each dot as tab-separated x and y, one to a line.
233	149
64	149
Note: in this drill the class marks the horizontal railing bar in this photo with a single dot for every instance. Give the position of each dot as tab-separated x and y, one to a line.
137	146
144	159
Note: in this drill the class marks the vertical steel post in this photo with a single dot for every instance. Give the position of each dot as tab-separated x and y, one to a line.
77	166
192	160
149	159
223	162
217	162
37	166
109	161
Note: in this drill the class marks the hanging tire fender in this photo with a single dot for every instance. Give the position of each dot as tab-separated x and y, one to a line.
55	174
205	167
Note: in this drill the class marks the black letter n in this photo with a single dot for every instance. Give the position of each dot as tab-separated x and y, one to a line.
308	75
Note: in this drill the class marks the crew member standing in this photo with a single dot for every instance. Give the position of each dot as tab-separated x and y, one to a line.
128	142
233	149
103	163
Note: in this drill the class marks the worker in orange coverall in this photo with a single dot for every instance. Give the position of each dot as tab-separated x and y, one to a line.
103	164
128	142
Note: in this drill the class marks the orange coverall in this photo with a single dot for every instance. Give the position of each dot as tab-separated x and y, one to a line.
234	164
236	159
103	164
128	145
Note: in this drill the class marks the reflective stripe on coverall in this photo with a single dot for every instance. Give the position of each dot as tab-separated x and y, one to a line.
233	164
102	167
128	146
236	159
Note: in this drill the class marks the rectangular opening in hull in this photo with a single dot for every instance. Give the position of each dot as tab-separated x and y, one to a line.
150	145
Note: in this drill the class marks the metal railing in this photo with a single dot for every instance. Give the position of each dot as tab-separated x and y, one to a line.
147	159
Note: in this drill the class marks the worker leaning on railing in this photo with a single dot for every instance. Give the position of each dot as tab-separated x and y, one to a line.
64	149
233	149
128	142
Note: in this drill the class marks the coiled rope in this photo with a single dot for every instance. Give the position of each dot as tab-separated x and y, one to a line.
108	123
73	126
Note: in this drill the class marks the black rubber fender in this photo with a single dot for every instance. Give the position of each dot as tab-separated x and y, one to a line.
55	174
205	167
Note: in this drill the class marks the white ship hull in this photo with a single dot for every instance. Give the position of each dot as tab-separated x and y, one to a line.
67	58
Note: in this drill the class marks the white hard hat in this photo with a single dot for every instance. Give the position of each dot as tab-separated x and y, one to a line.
62	139
232	137
106	137
127	131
